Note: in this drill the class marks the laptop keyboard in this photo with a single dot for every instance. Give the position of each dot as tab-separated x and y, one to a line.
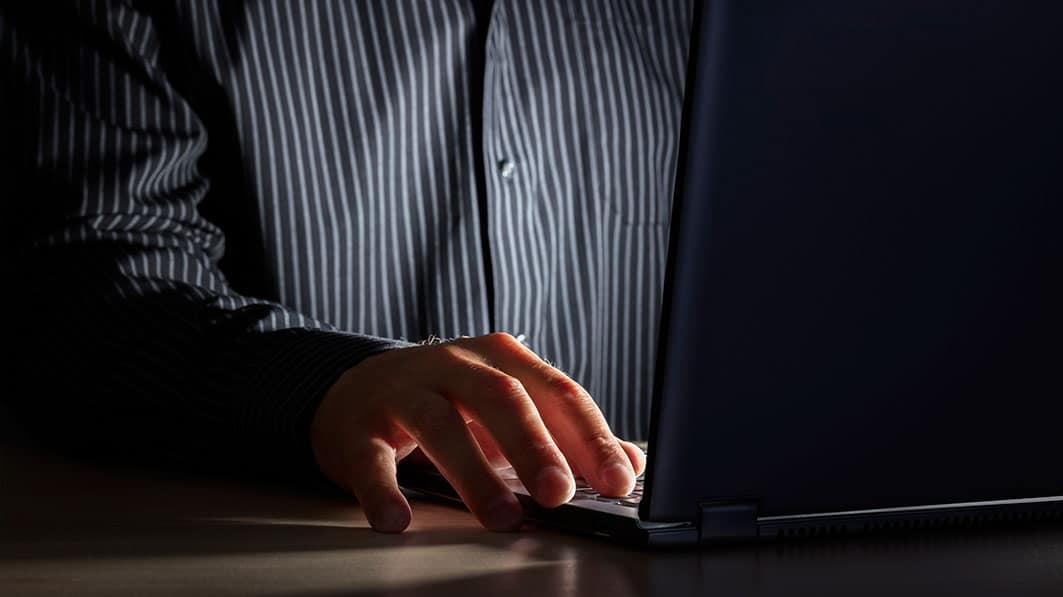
586	492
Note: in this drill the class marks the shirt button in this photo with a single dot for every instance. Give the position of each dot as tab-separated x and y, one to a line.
522	339
505	168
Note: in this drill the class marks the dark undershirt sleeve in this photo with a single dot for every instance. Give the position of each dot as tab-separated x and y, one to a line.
129	336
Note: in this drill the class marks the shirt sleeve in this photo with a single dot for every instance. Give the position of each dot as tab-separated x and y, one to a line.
129	335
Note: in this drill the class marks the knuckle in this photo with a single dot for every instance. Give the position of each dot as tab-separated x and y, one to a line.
450	354
510	401
503	386
502	341
544	450
602	444
565	389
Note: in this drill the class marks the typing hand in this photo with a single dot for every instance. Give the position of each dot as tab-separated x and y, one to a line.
467	404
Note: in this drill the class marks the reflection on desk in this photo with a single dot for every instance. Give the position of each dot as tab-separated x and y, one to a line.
101	530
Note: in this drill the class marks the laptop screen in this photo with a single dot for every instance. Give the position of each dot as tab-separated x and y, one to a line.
863	302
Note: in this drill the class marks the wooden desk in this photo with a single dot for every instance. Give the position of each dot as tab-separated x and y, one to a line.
72	529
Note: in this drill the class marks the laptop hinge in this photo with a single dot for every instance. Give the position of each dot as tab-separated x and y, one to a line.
725	521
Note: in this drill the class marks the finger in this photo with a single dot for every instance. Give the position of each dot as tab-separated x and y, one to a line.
635	455
499	402
372	480
569	412
487	445
491	451
444	437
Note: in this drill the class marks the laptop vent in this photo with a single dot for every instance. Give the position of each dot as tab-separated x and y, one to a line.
808	531
928	522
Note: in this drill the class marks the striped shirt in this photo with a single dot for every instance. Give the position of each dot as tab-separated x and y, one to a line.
222	206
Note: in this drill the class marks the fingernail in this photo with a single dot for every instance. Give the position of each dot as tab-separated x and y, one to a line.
504	514
390	518
551	482
618	476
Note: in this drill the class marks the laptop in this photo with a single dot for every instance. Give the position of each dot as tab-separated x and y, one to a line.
862	325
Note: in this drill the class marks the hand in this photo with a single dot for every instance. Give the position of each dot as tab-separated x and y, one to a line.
466	403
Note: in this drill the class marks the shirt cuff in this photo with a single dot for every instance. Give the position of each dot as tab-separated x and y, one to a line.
288	387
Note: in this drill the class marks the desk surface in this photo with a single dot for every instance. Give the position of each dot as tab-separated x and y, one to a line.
69	528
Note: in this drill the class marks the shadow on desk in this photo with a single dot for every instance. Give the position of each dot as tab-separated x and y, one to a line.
66	526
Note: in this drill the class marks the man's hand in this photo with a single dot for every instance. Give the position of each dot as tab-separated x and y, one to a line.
467	404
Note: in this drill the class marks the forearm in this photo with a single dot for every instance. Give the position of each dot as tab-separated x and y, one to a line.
123	358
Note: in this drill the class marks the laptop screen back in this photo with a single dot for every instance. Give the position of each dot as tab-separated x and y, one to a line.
864	303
